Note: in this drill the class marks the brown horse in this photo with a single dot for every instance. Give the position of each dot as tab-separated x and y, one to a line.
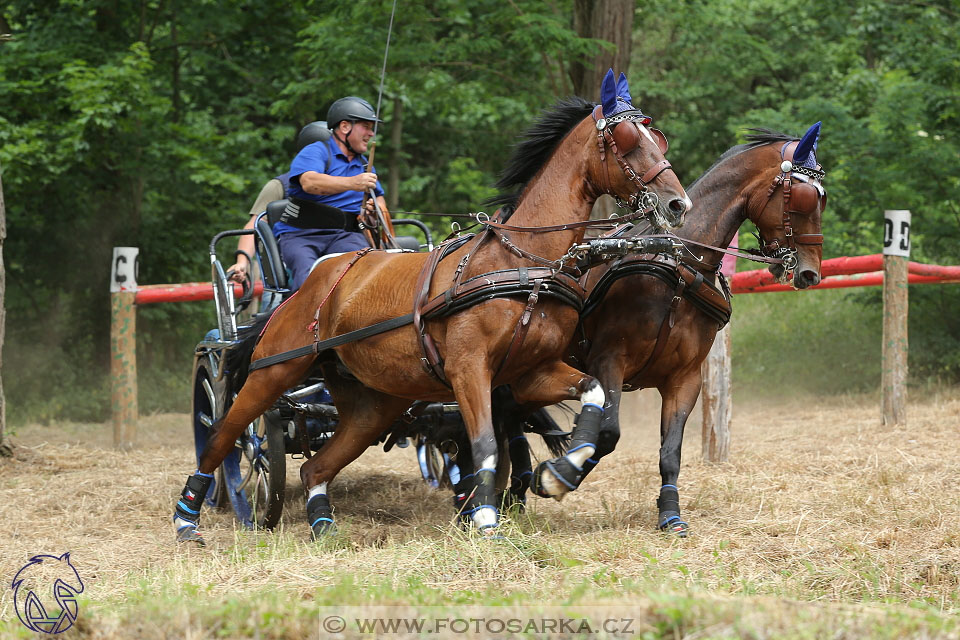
650	321
465	337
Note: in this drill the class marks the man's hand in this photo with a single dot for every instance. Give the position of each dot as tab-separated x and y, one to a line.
363	182
240	269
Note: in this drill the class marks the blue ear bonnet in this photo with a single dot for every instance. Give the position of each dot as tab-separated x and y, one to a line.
615	95
805	154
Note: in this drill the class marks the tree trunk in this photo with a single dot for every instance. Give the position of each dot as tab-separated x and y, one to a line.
610	20
4	447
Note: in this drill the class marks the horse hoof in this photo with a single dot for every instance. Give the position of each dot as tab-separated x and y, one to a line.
322	529
190	534
546	482
490	533
678	528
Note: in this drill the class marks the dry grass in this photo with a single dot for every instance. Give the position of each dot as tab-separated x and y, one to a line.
821	515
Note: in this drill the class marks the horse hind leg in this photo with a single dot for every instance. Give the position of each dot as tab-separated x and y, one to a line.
365	415
257	395
514	450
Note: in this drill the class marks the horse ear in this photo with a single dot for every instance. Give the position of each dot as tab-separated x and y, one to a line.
807	144
65	557
623	90
608	93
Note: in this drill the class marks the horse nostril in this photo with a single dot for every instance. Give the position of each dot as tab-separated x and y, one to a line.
677	206
809	278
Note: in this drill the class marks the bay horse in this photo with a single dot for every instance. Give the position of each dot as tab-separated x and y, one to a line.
650	321
506	318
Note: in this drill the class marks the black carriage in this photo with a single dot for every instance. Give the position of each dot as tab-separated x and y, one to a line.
252	478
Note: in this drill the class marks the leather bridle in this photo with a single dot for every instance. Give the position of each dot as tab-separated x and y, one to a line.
802	198
628	139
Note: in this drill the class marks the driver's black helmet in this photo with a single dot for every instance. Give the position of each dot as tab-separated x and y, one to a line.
350	108
313	132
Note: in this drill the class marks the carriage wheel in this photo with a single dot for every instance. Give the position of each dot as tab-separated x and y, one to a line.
434	465
208	401
255	473
252	478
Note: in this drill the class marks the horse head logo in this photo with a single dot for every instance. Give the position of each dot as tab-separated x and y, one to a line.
45	594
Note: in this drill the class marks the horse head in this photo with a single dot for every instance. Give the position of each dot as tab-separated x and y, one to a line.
644	179
787	212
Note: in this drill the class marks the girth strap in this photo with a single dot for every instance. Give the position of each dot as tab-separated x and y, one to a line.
523	325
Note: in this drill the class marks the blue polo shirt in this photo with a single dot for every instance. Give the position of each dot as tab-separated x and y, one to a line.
314	157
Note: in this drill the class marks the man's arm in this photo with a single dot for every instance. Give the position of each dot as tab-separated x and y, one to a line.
322	184
272	190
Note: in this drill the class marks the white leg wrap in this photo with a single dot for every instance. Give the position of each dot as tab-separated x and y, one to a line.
594	395
485	518
320	489
490	462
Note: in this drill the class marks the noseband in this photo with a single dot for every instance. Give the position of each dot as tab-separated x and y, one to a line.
802	198
628	137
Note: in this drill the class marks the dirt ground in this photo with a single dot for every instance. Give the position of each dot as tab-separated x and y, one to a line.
817	502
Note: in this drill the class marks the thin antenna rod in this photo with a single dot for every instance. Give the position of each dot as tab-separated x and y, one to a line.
383	71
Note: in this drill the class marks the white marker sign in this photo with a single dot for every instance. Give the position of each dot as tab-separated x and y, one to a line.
123	273
896	233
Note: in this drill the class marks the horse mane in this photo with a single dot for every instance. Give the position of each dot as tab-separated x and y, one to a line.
757	137
534	149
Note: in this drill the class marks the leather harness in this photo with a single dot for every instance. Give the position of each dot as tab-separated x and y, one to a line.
688	284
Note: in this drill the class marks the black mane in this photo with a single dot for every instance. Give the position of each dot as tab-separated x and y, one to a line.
756	138
535	147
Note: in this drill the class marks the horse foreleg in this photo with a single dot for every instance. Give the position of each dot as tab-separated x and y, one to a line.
364	415
609	372
558	476
471	386
257	395
679	396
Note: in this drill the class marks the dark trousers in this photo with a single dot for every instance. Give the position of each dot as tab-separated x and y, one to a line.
301	248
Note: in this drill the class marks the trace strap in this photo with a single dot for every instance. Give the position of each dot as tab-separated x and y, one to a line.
336	341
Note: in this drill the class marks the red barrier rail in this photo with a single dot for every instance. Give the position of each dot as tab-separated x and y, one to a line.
865	271
862	271
187	292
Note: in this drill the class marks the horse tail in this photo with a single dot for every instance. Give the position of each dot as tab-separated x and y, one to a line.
556	439
238	357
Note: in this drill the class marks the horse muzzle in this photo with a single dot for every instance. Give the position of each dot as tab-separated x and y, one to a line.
673	214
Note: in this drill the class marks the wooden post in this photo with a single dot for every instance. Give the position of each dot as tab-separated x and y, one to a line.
715	398
896	257
123	346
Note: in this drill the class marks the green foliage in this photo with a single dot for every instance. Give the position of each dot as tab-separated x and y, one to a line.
154	124
807	342
884	79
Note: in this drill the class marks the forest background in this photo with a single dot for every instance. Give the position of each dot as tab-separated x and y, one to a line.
154	123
